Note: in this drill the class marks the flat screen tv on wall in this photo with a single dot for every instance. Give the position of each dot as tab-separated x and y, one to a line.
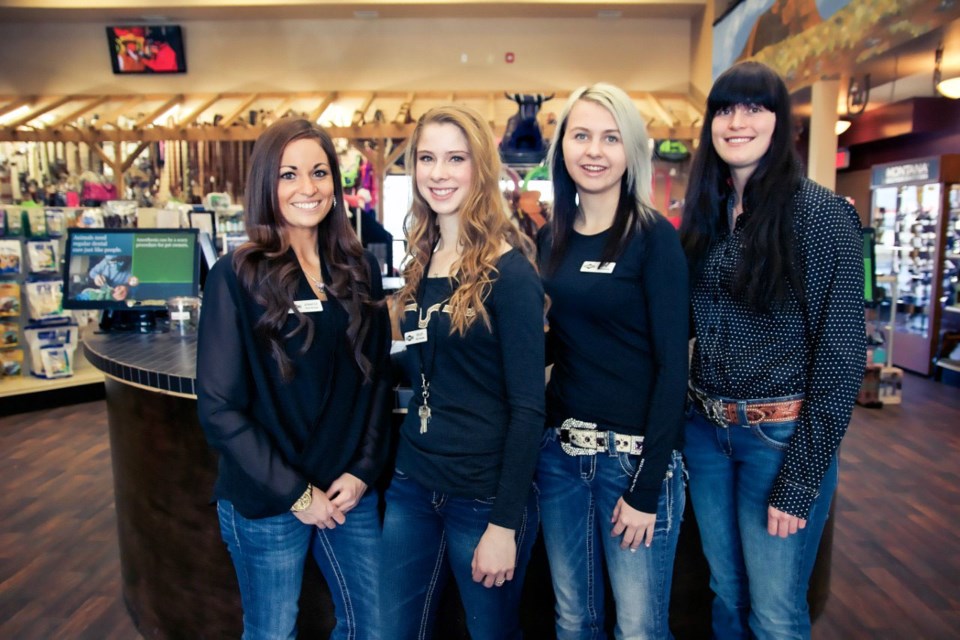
146	49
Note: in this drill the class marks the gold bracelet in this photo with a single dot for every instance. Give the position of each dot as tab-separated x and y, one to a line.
304	501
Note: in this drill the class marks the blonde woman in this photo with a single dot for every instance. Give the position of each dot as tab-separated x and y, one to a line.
462	499
610	472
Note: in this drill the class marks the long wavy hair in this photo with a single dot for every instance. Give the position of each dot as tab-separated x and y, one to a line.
484	221
768	270
267	267
634	210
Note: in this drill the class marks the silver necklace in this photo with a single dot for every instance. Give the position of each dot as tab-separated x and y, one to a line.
316	281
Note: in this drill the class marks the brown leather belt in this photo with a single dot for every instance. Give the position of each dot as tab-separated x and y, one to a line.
726	413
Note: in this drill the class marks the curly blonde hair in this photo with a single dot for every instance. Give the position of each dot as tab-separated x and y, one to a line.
484	221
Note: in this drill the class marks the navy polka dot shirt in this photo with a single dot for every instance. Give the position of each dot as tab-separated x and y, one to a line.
817	349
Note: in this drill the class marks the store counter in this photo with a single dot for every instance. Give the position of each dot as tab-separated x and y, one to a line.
178	580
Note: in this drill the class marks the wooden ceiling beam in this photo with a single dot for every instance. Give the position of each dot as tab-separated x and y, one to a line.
661	112
244	105
76	113
159	111
284	106
193	115
403	113
360	115
326	102
47	108
130	159
111	117
16	104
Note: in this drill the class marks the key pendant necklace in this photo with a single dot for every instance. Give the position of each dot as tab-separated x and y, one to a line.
424	411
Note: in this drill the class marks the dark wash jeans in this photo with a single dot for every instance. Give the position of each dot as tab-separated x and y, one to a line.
426	536
759	581
269	553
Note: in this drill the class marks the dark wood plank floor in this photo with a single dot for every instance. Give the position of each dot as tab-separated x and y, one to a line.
896	554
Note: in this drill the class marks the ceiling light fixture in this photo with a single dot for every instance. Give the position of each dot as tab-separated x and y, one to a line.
842	126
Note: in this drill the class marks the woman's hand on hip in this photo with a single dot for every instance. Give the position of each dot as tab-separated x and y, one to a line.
345	492
780	523
636	527
495	557
321	512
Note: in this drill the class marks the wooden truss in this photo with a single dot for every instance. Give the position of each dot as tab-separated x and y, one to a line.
378	123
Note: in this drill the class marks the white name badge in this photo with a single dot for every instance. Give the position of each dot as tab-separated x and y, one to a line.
415	337
307	306
597	267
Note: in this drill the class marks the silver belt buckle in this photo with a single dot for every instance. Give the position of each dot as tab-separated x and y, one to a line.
571	448
714	409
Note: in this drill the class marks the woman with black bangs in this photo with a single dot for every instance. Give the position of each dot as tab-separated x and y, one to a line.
777	293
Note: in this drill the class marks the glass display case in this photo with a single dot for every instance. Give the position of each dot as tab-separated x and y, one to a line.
914	211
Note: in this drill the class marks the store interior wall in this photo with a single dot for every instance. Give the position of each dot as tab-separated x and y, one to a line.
386	54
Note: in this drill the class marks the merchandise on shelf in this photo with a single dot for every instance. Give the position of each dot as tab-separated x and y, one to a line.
51	349
11	363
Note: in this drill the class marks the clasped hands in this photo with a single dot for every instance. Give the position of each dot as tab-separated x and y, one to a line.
329	508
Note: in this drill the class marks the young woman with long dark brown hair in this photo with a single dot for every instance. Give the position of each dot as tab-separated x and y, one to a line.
293	387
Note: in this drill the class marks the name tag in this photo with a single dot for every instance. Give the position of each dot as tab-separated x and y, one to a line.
307	306
597	267
415	337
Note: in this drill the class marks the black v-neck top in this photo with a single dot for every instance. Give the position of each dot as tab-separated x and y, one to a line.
275	436
486	394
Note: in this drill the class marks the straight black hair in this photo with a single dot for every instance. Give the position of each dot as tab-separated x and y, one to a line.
768	270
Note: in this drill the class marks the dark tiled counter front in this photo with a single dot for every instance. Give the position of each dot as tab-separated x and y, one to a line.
162	361
177	578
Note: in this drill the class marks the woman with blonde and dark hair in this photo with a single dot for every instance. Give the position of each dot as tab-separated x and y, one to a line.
293	383
610	473
462	497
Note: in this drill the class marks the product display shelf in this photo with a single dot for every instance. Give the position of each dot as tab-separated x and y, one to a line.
84	373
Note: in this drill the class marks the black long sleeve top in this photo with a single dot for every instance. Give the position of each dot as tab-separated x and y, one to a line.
275	436
816	348
486	393
618	343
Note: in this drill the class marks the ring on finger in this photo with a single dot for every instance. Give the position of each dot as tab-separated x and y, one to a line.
499	582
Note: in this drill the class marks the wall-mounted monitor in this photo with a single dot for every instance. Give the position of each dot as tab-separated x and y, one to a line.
146	49
129	269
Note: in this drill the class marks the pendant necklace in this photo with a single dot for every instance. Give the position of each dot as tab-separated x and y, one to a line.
423	323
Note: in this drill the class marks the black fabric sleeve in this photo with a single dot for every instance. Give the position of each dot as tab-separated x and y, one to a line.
226	392
544	240
834	322
666	293
518	313
374	446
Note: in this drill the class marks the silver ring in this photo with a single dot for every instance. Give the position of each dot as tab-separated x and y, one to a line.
499	582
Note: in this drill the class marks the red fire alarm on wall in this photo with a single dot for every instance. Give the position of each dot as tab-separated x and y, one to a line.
509	57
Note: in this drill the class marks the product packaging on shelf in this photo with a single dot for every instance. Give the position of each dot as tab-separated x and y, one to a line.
51	349
45	300
11	255
11	363
9	334
42	256
9	300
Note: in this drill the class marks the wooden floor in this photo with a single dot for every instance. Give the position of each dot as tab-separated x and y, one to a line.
896	554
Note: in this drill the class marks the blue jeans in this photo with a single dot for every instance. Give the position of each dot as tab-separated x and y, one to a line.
426	536
577	498
759	581
269	554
